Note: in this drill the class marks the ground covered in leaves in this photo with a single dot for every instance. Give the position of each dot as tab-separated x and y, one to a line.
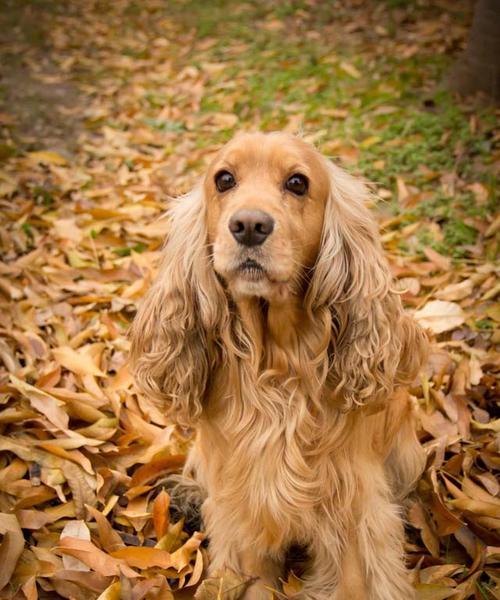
106	109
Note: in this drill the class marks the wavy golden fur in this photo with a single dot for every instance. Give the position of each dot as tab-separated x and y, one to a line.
289	352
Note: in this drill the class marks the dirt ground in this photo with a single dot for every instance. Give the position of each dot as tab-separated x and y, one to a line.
39	105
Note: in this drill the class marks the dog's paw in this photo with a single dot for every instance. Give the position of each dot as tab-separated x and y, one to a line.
186	498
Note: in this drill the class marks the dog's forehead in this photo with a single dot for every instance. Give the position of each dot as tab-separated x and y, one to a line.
279	150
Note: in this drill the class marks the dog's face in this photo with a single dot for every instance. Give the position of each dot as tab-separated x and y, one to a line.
266	196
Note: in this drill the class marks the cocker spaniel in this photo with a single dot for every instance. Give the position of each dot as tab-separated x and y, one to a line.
273	328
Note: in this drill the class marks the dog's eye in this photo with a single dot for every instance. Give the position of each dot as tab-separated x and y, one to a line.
297	184
224	180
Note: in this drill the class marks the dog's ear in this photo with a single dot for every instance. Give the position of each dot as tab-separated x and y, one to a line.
172	333
374	346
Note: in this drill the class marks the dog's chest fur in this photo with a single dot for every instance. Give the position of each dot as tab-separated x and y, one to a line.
262	429
261	443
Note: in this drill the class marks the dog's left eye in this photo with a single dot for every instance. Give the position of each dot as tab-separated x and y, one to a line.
224	180
297	184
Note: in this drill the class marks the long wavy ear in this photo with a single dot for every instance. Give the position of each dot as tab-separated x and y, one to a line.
173	333
374	346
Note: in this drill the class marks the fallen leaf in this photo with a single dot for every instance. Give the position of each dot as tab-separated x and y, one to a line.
11	547
440	316
78	362
420	520
160	514
94	558
47	157
433	591
292	586
442	262
144	558
350	69
75	529
456	291
223	584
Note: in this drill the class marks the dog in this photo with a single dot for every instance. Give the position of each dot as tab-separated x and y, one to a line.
273	329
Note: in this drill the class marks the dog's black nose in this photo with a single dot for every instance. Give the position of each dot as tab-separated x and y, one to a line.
251	227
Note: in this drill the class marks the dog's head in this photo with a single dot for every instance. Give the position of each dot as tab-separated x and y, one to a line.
273	219
265	198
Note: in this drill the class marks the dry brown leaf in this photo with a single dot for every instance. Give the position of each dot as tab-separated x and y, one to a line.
197	570
456	291
11	547
433	591
109	538
419	519
43	402
350	69
77	362
75	529
292	586
182	557
160	514
439	316
113	592
94	558
442	262
226	584
477	506
68	230
82	486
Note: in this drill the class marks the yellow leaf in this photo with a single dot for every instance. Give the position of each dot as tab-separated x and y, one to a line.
350	69
493	228
48	157
113	592
144	557
369	141
78	260
492	425
292	586
75	361
477	506
182	557
403	192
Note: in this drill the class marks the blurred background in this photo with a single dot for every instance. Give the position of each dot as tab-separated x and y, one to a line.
107	108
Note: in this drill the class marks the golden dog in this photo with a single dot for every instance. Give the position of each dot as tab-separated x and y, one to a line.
274	330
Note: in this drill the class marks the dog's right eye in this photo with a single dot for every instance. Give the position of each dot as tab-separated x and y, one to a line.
224	180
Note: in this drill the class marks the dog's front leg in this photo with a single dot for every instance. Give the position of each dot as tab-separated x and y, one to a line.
335	571
367	564
230	550
363	560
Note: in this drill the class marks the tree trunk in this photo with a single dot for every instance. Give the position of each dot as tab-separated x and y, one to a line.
478	68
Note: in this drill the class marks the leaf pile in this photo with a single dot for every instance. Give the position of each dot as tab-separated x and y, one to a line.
84	456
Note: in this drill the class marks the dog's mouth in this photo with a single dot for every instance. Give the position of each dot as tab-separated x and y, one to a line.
251	269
